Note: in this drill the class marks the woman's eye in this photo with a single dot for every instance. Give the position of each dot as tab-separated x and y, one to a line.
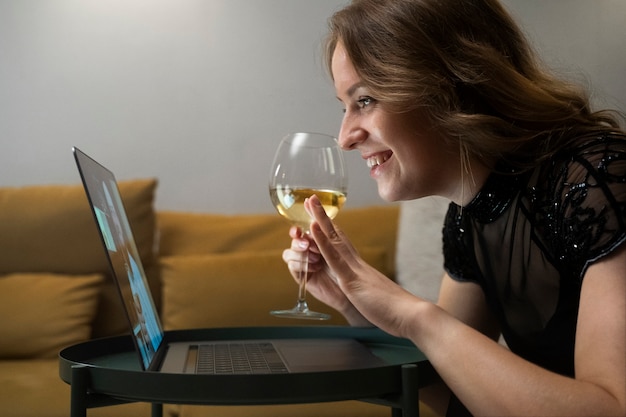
359	104
364	102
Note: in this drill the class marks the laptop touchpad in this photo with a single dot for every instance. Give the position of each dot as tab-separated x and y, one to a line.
326	355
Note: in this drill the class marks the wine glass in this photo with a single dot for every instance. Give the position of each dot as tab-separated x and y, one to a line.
306	164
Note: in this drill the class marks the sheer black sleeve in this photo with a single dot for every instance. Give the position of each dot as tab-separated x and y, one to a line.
586	215
574	208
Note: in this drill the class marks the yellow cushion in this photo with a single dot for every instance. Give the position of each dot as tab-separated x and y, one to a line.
51	229
42	313
236	289
329	409
201	233
195	234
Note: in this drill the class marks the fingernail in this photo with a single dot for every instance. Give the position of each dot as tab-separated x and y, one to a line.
303	244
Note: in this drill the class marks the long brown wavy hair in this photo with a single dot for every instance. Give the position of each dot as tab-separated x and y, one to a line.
469	67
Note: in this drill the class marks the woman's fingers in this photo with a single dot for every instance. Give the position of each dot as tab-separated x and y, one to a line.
295	232
334	247
302	247
301	241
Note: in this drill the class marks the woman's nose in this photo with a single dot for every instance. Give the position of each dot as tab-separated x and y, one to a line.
350	136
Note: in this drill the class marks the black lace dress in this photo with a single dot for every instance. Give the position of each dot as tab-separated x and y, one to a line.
528	239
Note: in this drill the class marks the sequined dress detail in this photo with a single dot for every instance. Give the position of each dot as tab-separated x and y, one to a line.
527	240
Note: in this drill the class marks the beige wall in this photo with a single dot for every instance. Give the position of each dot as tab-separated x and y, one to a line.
199	92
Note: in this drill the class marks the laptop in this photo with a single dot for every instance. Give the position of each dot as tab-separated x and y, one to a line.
210	357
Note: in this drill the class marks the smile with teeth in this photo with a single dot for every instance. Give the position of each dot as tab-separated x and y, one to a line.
376	160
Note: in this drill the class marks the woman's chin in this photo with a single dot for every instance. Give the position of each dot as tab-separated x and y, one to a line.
388	195
393	194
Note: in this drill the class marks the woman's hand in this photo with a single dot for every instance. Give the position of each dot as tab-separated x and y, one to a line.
321	284
377	298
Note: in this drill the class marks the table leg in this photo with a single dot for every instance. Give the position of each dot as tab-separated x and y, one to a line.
80	383
157	410
410	391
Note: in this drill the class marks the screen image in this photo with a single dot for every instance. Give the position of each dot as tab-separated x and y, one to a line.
123	255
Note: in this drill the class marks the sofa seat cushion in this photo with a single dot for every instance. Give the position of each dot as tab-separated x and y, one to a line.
43	313
236	289
329	409
32	388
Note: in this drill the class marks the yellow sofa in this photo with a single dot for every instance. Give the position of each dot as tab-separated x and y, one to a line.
205	270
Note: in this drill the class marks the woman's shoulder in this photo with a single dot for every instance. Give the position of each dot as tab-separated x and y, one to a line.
578	198
601	148
585	162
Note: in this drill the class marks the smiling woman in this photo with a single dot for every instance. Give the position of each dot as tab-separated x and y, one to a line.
447	98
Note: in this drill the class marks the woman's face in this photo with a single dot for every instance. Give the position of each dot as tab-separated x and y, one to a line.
406	157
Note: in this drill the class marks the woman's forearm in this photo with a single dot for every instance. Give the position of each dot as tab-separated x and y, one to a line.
491	380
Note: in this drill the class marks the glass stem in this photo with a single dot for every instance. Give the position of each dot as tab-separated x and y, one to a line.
302	279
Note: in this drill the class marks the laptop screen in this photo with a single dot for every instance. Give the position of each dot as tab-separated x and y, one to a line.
123	256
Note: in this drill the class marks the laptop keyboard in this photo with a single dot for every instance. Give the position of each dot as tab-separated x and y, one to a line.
239	359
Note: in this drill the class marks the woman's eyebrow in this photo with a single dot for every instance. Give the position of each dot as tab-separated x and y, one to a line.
350	91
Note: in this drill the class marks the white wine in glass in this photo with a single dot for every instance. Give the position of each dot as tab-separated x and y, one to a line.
307	164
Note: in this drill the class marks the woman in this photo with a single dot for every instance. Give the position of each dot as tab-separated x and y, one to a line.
445	97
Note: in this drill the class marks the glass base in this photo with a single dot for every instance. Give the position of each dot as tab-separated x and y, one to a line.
300	311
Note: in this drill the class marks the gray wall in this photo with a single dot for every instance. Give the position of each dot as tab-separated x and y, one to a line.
199	92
